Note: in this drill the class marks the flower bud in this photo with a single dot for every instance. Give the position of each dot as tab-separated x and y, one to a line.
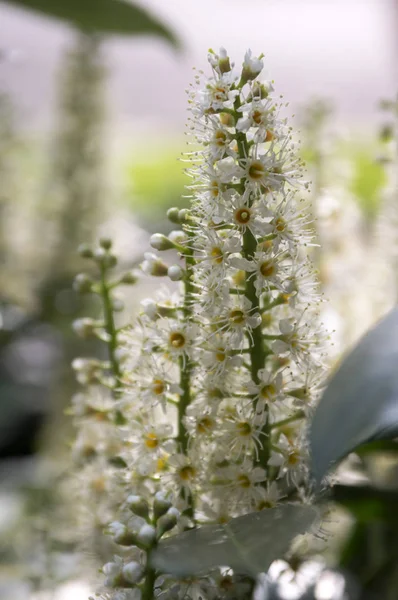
221	62
175	273
129	278
152	265
227	119
161	242
138	505
172	215
117	304
121	535
150	308
85	251
177	236
84	328
105	243
160	505
112	572
166	522
103	257
133	572
83	283
251	67
260	91
183	215
146	535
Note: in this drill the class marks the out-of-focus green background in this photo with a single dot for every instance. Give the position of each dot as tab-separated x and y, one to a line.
91	129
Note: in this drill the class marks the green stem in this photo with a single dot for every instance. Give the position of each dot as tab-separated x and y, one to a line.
186	367
257	351
110	327
300	414
148	588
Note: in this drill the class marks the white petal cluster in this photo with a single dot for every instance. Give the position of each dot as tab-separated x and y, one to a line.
240	349
219	377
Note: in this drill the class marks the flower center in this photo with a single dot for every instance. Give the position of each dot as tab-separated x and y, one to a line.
242	215
98	485
220	93
220	138
151	441
280	224
187	473
293	458
158	386
244	481
177	340
265	504
220	354
161	464
214	188
237	316
269	137
244	429
204	425
216	254
256	170
268	391
267	268
257	117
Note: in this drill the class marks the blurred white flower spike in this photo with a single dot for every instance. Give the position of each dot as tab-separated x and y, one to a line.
360	404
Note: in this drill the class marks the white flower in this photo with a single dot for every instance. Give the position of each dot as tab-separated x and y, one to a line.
252	66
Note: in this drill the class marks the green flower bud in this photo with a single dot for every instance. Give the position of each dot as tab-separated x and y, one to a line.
103	257
85	251
84	328
166	522
105	243
117	304
184	215
121	535
129	278
152	265
160	505
175	273
172	215
161	242
146	536
133	572
138	505
83	283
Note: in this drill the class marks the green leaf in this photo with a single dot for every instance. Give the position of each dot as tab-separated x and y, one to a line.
247	544
360	404
367	503
118	462
369	178
101	16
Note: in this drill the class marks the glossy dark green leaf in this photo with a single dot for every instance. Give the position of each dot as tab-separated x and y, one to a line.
367	503
247	544
360	404
101	16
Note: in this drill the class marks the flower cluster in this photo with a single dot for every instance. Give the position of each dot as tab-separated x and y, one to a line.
219	378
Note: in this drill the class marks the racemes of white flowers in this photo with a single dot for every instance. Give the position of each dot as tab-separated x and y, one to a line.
227	363
219	377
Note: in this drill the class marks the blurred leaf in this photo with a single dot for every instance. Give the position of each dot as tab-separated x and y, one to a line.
369	178
102	16
367	503
247	544
118	462
384	446
360	404
156	182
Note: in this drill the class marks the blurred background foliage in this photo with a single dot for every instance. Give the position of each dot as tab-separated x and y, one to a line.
64	189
